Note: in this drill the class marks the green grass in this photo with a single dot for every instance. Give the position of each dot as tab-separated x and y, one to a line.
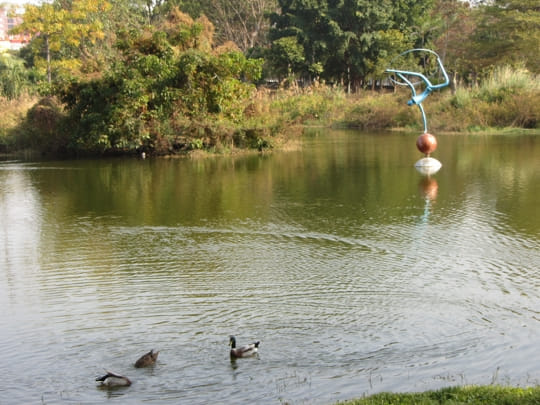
468	395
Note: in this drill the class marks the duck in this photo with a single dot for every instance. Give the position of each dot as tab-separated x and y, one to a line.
243	351
114	380
148	359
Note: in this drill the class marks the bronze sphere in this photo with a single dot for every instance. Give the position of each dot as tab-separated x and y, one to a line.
426	143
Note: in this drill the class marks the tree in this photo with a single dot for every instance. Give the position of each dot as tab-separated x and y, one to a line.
243	22
507	32
348	38
456	26
285	56
62	30
316	34
165	75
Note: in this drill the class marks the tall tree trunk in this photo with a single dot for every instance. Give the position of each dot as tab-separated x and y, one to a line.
348	80
48	52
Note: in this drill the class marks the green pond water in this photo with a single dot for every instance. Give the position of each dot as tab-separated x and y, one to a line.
357	273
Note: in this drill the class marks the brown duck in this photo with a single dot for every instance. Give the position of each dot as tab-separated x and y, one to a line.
148	359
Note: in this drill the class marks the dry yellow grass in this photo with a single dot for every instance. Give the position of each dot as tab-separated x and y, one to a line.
14	111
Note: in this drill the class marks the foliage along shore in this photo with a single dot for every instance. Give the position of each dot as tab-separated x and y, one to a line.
470	395
508	100
124	77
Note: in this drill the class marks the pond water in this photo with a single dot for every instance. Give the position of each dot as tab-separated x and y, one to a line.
356	273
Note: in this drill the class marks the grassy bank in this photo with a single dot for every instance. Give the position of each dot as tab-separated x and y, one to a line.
470	395
509	100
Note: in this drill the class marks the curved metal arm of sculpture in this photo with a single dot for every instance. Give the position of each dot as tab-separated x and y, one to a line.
429	87
415	99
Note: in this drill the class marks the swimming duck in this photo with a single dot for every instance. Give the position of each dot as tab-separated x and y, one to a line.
114	380
244	351
147	359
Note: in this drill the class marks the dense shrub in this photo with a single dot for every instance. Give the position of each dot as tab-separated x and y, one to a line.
380	111
41	128
168	91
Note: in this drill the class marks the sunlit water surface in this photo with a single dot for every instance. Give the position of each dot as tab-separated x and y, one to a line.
357	274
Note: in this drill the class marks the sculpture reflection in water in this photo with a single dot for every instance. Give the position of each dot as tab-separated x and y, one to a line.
426	143
428	188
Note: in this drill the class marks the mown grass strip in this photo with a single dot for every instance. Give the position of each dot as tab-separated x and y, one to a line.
469	395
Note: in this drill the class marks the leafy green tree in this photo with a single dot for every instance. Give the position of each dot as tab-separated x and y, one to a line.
507	32
62	31
166	76
452	38
474	40
122	16
349	39
285	56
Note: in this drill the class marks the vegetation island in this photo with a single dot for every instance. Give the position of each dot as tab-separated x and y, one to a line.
174	76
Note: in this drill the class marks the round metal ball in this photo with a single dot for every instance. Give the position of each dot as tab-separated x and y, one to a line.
426	143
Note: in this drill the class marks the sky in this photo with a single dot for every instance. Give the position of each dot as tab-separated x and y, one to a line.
20	2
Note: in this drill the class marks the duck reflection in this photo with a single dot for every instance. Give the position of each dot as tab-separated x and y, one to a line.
234	365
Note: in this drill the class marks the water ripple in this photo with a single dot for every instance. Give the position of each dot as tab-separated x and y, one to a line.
380	305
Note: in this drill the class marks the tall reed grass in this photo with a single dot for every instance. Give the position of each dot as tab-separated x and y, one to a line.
508	97
13	114
510	79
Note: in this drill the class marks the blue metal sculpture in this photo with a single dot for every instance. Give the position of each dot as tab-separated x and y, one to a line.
406	76
426	143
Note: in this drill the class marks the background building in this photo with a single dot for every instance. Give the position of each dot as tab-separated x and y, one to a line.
9	18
